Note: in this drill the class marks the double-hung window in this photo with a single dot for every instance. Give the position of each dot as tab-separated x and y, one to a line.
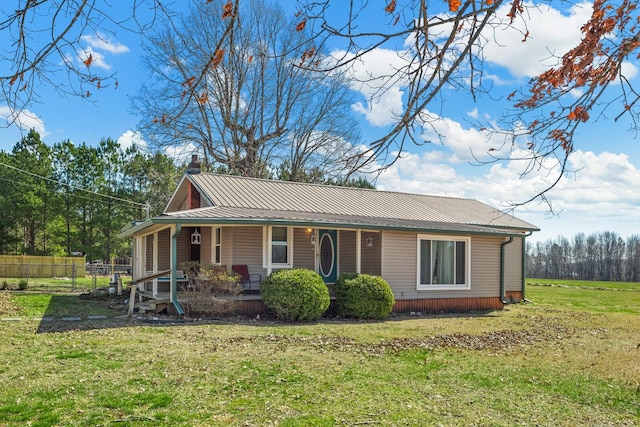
279	243
443	262
217	245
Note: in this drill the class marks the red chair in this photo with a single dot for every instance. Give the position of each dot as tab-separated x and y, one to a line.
247	279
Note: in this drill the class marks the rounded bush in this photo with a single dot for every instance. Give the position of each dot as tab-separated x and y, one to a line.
363	296
297	294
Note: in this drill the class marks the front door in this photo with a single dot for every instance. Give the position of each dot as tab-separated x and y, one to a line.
328	255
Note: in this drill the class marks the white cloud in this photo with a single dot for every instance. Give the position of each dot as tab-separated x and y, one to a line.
466	144
550	35
97	59
182	153
102	42
370	75
24	119
131	137
629	70
600	196
97	46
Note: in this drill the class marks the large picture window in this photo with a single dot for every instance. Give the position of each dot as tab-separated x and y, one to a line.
443	262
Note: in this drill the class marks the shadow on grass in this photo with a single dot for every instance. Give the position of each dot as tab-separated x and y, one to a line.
67	312
64	312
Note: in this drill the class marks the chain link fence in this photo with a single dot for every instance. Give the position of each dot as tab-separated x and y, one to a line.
61	277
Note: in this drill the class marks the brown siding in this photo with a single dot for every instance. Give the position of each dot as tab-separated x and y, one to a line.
179	201
164	249
303	252
347	248
247	248
205	248
399	262
183	242
513	265
227	246
193	197
149	252
370	261
399	266
485	266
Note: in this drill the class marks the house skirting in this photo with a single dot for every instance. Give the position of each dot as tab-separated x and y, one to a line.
447	305
514	296
434	305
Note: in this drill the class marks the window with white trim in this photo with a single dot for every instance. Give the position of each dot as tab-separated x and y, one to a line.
443	262
279	242
217	245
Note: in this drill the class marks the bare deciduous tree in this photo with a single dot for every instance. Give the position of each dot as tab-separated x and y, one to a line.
43	46
436	48
255	107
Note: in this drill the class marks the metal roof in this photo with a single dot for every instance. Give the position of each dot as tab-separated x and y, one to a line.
230	215
260	198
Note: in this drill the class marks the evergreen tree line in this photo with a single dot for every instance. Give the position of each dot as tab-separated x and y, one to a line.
74	199
598	256
69	199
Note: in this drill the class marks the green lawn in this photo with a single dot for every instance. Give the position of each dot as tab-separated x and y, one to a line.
602	297
586	284
569	358
60	284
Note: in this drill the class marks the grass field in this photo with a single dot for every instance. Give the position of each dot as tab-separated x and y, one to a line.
569	358
61	284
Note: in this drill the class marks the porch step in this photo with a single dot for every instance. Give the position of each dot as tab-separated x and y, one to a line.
153	305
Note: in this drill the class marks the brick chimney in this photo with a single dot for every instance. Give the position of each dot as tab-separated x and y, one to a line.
194	166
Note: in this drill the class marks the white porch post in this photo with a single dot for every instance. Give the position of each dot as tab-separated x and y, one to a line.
139	250
155	263
136	258
358	251
269	251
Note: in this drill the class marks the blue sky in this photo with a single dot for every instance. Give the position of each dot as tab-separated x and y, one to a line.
601	196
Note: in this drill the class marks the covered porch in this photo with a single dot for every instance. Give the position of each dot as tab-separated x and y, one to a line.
264	248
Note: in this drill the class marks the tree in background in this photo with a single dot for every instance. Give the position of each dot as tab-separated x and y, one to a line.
150	179
441	48
75	198
254	110
31	198
598	256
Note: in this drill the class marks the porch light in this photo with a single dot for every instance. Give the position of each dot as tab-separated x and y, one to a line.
369	242
196	238
313	240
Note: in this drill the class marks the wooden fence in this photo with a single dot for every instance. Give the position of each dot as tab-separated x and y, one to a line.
25	266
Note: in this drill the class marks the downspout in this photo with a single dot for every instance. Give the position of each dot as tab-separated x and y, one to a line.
524	265
503	297
174	267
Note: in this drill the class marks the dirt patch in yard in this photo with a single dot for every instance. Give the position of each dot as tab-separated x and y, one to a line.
7	308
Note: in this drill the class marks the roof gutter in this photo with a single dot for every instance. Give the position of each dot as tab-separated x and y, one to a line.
169	220
503	297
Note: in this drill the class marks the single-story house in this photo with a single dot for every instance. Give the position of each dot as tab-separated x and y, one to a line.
436	253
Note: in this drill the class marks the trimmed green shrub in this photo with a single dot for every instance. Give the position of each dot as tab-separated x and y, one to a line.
363	296
23	284
297	294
